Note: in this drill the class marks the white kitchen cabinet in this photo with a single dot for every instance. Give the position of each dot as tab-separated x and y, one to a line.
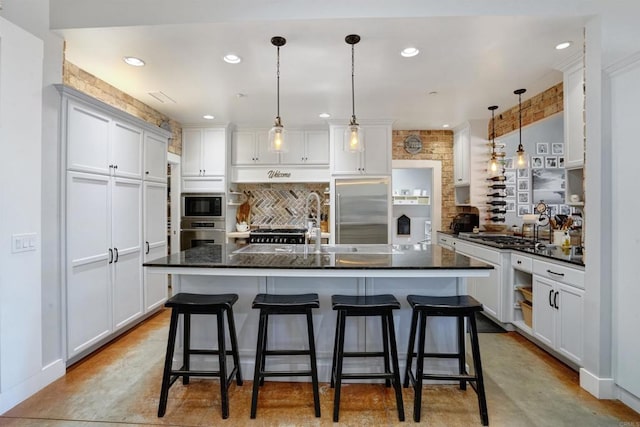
573	87
309	147
461	157
251	147
103	217
447	241
98	143
558	311
155	242
155	157
487	290
203	151
104	262
374	160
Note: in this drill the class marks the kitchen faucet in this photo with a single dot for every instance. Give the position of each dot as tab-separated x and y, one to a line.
316	229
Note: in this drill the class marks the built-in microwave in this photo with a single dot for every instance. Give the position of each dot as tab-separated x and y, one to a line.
199	205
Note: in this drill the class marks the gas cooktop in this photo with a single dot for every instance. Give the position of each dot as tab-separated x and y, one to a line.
499	240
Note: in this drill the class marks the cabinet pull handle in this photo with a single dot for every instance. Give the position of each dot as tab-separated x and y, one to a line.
146	173
204	171
147	248
550	295
110	255
553	272
117	255
518	262
110	166
115	166
555	300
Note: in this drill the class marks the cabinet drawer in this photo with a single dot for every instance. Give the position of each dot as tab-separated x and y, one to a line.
559	273
522	262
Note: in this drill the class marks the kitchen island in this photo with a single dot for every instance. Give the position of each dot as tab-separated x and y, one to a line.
336	269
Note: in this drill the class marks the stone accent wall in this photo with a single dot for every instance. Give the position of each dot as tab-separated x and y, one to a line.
79	79
536	108
274	205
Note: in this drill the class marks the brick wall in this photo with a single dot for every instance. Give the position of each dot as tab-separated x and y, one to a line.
79	79
536	108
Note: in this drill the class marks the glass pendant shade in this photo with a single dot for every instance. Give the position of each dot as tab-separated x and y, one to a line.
277	134
354	138
277	138
494	166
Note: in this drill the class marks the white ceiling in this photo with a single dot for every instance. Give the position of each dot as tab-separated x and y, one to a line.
471	62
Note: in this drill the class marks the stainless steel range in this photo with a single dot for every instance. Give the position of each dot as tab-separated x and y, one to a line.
278	235
499	240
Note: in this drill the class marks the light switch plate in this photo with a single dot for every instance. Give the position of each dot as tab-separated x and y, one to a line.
23	242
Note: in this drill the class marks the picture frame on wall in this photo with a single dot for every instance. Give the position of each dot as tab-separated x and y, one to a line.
551	162
557	148
560	162
524	210
510	177
537	162
523	185
511	206
549	185
508	163
523	197
523	173
542	148
510	191
564	210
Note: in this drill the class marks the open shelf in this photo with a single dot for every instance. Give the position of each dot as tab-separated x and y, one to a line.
411	200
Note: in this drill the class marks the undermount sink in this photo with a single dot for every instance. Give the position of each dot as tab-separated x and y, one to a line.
257	248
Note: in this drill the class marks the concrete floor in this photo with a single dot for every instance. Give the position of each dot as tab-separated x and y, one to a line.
119	386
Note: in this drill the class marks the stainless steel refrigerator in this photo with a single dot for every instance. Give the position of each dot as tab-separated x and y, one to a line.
362	210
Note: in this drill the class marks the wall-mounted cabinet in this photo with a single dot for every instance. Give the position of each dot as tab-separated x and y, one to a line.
309	147
461	155
204	159
251	147
573	87
374	160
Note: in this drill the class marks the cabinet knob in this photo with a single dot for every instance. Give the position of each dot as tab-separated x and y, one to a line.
146	173
519	262
204	171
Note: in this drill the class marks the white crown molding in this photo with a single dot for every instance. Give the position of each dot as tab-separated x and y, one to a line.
568	61
623	65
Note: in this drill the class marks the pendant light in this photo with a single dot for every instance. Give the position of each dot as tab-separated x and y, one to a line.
277	134
494	165
522	159
353	134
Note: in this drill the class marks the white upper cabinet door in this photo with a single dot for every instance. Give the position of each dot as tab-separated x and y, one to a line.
191	152
214	151
574	115
296	151
244	148
377	150
263	155
317	145
126	150
155	158
87	139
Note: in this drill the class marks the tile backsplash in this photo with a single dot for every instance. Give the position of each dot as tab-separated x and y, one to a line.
282	204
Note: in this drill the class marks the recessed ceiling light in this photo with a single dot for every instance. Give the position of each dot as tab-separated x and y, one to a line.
563	45
446	125
324	115
133	61
208	117
408	52
232	58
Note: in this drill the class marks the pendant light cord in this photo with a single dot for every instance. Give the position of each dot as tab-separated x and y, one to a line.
353	96
278	85
520	121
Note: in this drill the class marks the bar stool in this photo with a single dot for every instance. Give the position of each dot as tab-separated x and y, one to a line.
188	304
460	307
272	304
368	305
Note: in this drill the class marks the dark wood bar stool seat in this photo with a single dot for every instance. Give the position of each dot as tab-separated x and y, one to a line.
368	305
460	307
273	304
188	304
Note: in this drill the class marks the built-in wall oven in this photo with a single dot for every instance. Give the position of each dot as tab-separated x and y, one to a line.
203	221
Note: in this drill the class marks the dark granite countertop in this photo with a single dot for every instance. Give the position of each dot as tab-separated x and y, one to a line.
552	252
399	257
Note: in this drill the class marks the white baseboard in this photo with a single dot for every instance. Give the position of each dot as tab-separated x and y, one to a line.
629	399
16	394
602	388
